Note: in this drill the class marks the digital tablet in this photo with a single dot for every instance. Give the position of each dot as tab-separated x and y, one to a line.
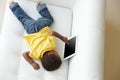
70	48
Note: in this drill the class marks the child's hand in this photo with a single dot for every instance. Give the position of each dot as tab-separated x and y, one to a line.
65	39
35	66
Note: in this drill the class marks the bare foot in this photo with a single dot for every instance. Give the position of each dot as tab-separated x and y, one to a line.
37	3
35	66
11	2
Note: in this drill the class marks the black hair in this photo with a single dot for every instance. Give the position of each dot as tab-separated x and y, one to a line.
51	62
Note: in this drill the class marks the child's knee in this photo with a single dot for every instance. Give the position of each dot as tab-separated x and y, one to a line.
50	21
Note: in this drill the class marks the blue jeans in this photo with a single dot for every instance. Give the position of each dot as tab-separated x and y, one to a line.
29	24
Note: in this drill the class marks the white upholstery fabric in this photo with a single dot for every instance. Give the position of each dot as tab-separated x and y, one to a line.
87	22
12	44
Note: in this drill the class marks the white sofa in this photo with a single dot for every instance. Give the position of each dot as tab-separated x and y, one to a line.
84	18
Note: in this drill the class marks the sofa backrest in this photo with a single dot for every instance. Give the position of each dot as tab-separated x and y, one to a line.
62	3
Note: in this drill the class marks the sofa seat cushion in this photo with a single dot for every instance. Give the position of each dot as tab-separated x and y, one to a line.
12	44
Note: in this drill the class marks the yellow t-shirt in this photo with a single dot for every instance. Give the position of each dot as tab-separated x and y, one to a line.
40	43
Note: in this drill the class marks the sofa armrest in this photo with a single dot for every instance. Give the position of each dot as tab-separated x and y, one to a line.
88	24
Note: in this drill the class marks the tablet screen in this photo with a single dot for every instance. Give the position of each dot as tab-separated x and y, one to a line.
70	47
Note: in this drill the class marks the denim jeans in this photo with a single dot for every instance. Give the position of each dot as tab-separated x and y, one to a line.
29	24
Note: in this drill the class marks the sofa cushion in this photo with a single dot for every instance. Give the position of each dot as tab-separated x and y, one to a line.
12	44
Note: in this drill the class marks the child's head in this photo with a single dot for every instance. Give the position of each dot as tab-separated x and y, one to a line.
51	60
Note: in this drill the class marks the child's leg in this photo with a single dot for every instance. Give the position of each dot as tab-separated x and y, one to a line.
44	12
46	19
27	22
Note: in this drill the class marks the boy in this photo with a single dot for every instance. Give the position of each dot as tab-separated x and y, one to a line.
40	38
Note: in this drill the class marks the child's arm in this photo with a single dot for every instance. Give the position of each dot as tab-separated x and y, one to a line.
63	38
30	60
